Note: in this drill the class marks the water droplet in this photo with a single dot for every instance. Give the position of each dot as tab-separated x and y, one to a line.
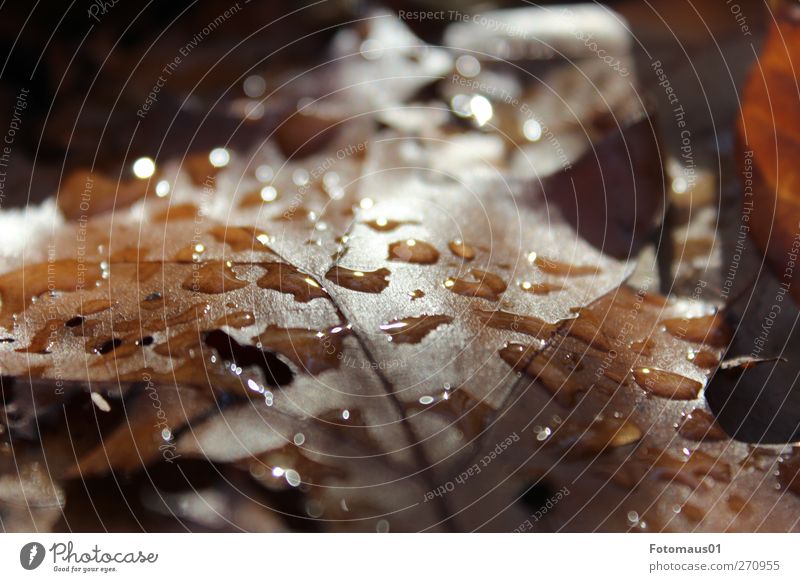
253	385
254	86
107	346
253	110
163	188
703	358
330	181
192	253
486	285
383	224
560	269
789	472
285	278
680	185
299	439
219	157
240	238
355	280
213	277
268	194
237	320
540	288
413	329
425	400
709	329
413	251
643	347
178	212
100	402
506	320
481	109
144	168
461	249
532	130
460	105
699	425
604	433
301	177
292	477
667	384
336	193
468	66
264	173
416	294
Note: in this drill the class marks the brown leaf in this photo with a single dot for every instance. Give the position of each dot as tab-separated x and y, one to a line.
768	126
391	339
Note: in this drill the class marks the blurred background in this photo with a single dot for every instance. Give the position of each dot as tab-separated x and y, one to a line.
88	66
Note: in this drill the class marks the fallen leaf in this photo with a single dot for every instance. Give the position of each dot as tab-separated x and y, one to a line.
401	335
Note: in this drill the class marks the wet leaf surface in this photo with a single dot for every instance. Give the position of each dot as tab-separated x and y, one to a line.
393	327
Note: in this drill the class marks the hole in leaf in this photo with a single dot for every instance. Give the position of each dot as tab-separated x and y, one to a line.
276	373
759	404
108	346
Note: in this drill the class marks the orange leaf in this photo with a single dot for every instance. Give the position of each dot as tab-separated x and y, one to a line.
769	131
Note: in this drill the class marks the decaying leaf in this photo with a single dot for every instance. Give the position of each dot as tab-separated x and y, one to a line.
392	329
